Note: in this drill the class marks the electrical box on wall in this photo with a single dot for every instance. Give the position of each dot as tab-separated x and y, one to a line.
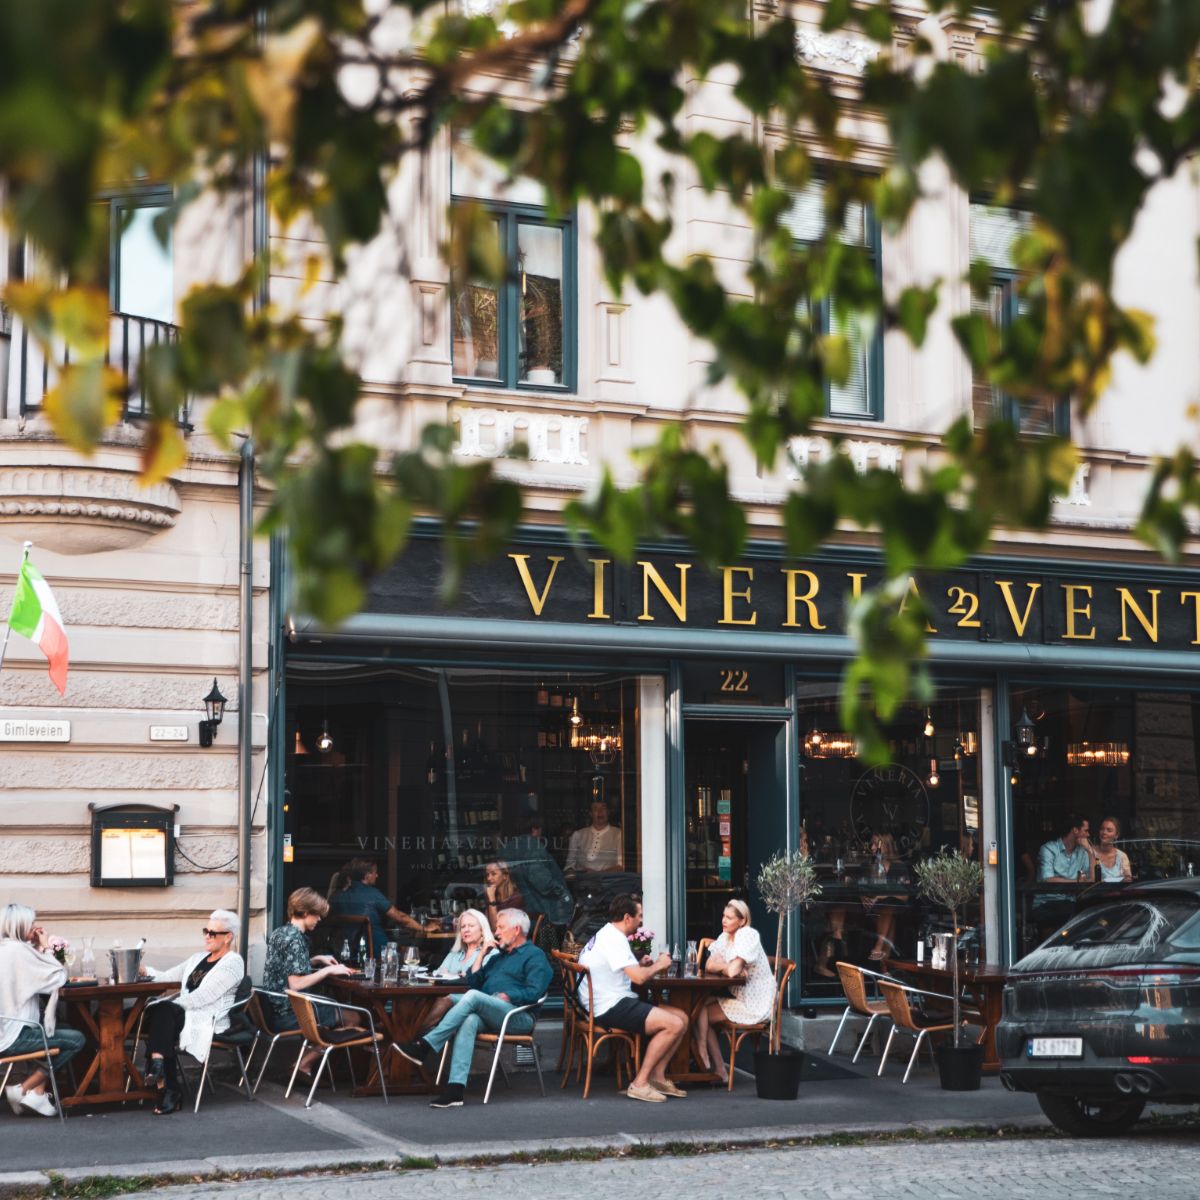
133	845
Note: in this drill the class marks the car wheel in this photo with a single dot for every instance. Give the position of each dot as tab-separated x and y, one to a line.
1091	1118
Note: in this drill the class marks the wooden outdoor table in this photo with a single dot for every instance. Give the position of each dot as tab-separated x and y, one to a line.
985	985
688	993
401	1014
98	1011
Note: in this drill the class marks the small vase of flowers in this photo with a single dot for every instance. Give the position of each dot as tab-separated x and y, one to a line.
61	949
641	942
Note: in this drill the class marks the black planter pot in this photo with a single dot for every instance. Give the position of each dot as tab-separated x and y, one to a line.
962	1069
777	1076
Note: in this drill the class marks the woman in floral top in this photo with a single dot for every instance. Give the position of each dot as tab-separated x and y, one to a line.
290	965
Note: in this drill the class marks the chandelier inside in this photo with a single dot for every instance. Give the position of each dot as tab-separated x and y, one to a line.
1097	754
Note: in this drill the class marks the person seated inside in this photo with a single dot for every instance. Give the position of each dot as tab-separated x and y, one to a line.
597	847
500	892
353	893
739	950
614	970
1067	858
290	964
1114	862
29	970
520	974
190	1019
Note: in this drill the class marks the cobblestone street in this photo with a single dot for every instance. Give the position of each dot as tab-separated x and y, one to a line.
1163	1165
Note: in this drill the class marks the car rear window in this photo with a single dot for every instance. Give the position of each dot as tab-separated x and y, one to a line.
1127	931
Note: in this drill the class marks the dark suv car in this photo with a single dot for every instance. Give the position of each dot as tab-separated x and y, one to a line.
1104	1016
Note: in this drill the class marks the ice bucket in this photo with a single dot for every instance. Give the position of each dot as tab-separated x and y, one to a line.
125	964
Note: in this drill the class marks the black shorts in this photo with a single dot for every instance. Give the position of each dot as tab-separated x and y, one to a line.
630	1015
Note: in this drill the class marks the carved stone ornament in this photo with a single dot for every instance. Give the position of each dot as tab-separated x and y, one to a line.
826	52
804	452
82	510
1078	496
550	437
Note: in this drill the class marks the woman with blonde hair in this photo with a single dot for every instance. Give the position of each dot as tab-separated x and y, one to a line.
500	891
739	949
190	1019
473	946
28	970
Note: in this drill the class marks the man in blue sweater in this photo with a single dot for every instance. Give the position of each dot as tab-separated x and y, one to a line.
519	974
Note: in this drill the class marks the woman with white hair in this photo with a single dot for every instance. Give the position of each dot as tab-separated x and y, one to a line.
28	970
739	949
201	1008
473	946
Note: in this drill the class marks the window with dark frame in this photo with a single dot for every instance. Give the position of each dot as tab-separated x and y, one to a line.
141	281
993	230
860	397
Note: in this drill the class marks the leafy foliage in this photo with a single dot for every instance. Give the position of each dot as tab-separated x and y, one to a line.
1075	119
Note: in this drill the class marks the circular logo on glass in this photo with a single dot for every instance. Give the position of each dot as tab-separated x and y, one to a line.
890	799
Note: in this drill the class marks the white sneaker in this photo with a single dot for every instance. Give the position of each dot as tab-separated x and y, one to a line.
13	1095
40	1103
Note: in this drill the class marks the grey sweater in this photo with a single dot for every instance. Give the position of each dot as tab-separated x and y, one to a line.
26	974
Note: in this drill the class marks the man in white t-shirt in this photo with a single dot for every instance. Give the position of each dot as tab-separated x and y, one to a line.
613	970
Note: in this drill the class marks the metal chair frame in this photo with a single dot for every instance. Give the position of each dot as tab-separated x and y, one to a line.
903	1022
46	1052
257	1014
304	1006
498	1039
242	998
851	1010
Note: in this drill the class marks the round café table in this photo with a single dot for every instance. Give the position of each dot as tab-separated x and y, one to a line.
401	1013
689	993
99	1012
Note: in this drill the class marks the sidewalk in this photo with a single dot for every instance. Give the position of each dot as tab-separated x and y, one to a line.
273	1134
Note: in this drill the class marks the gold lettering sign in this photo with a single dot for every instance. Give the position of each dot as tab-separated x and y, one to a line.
1074	610
808	599
730	595
914	593
1130	605
651	576
598	613
1019	622
1194	597
537	600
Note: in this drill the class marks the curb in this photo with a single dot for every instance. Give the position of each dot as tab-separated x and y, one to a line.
22	1184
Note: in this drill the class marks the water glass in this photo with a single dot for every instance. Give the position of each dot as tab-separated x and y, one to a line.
369	970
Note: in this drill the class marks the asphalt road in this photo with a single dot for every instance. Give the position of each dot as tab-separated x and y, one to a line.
1165	1166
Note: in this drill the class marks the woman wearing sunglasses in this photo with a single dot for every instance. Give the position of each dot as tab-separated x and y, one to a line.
201	1009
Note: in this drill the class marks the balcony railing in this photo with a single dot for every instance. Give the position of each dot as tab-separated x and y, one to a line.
32	372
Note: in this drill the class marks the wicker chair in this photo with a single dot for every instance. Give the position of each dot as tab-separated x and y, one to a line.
328	1040
908	1018
46	1054
858	1003
588	1034
737	1034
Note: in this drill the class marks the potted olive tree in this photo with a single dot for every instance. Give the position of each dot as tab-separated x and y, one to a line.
953	882
785	882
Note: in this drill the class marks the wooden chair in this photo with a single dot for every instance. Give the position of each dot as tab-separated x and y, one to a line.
46	1054
537	927
737	1034
257	1011
858	1003
566	1050
910	1019
588	1033
328	1040
499	1040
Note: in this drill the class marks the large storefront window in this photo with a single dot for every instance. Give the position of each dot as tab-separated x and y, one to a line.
1124	763
437	774
866	827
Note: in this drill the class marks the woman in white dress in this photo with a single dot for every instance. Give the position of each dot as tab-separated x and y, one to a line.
739	949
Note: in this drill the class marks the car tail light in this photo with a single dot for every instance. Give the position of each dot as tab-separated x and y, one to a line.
1146	1060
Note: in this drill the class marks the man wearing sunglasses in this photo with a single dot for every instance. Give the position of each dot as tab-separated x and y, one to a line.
190	1019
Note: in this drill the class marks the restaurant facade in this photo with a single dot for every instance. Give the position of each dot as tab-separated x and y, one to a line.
701	709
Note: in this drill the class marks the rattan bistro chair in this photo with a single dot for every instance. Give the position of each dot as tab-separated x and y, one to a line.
859	1003
258	1012
908	1017
328	1040
737	1034
46	1054
589	1034
499	1040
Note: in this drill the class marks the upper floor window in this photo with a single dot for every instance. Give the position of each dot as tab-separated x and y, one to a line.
993	231
141	277
860	397
521	333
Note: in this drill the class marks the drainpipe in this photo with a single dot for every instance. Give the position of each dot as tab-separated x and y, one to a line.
245	685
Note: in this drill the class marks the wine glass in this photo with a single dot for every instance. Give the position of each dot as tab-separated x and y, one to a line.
412	960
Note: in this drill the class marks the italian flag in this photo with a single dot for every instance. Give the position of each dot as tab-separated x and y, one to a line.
35	615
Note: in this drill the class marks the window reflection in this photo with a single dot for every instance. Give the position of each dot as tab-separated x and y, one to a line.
540	258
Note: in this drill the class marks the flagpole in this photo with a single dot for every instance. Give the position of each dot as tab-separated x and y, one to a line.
8	620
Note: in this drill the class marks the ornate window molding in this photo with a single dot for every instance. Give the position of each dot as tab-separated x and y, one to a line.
845	55
555	438
804	452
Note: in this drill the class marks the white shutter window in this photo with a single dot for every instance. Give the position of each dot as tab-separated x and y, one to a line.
805	220
852	398
993	231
